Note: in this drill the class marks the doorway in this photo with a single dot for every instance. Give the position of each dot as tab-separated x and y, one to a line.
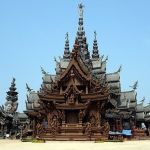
72	117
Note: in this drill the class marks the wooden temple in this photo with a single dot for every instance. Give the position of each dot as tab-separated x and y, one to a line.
82	101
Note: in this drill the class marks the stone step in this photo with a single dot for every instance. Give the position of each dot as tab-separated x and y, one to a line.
72	137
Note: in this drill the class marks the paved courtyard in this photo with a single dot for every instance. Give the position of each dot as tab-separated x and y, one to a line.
73	145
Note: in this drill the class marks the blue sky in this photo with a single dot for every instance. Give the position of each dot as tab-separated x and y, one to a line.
32	32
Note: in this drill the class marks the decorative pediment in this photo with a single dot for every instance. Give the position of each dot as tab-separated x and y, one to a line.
77	66
72	94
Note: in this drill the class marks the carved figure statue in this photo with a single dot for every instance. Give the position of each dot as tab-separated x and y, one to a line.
39	128
88	130
106	128
54	122
92	120
98	119
49	118
71	99
8	108
54	125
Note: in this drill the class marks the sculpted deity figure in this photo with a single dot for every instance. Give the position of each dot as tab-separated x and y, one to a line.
98	118
106	128
92	120
71	99
54	125
49	118
39	128
88	130
8	108
54	122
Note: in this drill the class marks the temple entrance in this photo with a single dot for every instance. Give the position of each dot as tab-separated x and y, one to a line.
72	117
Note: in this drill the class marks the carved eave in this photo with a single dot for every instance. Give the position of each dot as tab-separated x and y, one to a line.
52	97
31	113
74	106
97	96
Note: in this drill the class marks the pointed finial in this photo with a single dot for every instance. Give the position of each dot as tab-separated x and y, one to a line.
106	58
102	57
81	9
120	68
55	59
95	35
28	88
60	58
143	99
67	36
43	71
134	86
13	81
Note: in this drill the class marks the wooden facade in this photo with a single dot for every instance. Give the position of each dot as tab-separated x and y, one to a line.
74	107
82	101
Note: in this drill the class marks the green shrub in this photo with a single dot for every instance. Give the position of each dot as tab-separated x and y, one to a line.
26	140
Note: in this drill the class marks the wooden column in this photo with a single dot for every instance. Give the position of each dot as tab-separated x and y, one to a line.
34	128
117	127
114	124
120	125
63	118
87	89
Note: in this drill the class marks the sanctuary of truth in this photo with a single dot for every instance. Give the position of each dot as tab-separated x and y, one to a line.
80	102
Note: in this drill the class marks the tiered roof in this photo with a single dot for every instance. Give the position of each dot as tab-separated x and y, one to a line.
11	104
92	69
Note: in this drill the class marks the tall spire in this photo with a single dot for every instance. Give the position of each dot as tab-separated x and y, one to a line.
80	32
12	94
12	97
95	53
81	38
80	13
66	51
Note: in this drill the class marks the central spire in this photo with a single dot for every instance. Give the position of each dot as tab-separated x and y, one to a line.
80	32
81	14
81	38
